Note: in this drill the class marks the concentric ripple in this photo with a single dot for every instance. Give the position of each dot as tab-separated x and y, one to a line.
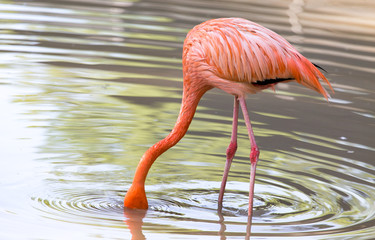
81	206
280	209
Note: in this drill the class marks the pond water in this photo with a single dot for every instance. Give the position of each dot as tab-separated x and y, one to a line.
87	86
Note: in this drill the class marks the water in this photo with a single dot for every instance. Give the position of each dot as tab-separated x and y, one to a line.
87	86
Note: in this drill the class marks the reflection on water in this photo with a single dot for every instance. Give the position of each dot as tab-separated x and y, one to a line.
87	87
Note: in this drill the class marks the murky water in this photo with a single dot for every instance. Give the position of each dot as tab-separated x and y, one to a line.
87	86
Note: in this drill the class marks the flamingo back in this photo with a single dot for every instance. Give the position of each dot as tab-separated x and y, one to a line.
242	51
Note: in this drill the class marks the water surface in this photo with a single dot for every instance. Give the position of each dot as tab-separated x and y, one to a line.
87	86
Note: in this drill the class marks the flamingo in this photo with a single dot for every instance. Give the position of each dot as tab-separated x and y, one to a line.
239	57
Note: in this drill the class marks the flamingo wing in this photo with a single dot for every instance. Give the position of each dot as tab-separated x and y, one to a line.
242	51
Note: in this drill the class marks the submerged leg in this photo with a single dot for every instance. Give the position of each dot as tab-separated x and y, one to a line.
254	154
231	150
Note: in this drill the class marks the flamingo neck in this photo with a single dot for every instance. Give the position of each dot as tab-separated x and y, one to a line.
136	197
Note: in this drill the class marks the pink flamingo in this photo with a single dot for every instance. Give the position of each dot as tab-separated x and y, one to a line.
239	57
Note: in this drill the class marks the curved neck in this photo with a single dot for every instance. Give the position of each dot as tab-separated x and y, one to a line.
190	99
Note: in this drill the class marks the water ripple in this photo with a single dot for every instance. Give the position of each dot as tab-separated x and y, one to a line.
86	207
308	205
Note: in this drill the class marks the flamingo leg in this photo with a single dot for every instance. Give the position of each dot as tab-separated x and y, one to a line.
231	150
254	154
